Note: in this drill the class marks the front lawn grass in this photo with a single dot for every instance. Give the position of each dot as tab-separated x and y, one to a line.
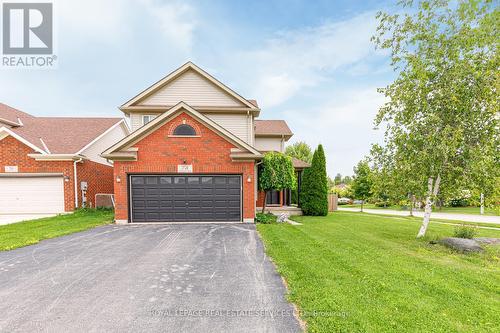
353	272
31	232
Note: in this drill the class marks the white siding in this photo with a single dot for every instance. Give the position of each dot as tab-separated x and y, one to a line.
269	144
234	123
92	152
193	89
135	121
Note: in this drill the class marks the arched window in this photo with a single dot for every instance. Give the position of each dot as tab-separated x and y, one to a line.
185	130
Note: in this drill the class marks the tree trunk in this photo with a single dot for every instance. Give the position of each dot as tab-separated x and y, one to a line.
482	204
264	203
412	203
428	204
362	206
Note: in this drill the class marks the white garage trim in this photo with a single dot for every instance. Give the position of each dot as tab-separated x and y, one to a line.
29	175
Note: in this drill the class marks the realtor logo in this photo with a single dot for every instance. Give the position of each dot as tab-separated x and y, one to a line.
28	34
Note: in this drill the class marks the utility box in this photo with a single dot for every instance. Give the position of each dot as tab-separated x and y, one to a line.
83	186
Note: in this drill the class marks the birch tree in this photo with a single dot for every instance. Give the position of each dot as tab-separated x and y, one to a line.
441	115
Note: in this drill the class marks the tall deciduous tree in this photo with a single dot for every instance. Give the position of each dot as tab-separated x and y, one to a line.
442	108
300	150
362	183
276	173
314	195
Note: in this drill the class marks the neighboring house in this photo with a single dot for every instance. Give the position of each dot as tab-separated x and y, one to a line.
193	152
44	161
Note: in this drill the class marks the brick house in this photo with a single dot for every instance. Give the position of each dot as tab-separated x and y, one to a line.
45	161
193	153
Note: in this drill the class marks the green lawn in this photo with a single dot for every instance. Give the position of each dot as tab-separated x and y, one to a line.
368	273
31	232
456	210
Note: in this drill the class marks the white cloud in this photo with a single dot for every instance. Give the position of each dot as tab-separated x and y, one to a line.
176	20
344	125
303	58
104	21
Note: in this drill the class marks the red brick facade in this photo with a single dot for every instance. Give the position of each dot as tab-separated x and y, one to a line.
159	152
98	176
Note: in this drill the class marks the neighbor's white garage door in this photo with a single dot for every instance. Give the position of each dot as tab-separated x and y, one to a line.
19	195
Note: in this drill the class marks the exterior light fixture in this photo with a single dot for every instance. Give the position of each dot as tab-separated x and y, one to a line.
66	178
118	179
249	179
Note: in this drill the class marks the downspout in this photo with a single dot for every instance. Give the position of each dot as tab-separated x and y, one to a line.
75	180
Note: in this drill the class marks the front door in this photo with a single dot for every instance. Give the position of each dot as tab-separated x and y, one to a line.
273	198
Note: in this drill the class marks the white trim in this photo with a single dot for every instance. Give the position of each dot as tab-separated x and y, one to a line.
30	174
248	220
103	134
75	181
56	157
23	140
44	145
10	123
175	74
183	107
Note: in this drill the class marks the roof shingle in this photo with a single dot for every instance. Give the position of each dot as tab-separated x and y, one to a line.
272	127
61	135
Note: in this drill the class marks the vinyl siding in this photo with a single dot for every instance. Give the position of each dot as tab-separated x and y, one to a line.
93	152
193	89
135	121
269	144
238	124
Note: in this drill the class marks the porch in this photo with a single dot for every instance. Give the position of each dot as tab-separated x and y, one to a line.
285	201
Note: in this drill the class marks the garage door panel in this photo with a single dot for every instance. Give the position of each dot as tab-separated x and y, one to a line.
166	191
138	192
185	198
21	195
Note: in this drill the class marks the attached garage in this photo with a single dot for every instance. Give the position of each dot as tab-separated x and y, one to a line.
185	198
31	194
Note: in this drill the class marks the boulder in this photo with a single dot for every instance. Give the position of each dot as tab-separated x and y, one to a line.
462	244
486	240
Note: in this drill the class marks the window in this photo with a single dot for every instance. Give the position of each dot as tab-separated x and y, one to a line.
147	118
184	129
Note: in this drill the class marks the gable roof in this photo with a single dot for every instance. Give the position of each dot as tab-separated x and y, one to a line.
272	128
156	123
299	164
55	135
175	74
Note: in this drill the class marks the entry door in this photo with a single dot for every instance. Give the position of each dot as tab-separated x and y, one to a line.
273	198
185	198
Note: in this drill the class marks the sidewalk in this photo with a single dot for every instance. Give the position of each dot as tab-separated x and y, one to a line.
434	215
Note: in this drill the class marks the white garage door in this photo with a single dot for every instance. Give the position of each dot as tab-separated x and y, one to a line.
19	195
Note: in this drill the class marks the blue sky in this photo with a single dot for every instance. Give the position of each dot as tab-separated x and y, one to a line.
308	62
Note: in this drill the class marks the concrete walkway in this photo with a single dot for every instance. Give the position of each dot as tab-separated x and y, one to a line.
434	215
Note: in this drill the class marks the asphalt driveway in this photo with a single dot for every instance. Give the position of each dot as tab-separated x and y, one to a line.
155	278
